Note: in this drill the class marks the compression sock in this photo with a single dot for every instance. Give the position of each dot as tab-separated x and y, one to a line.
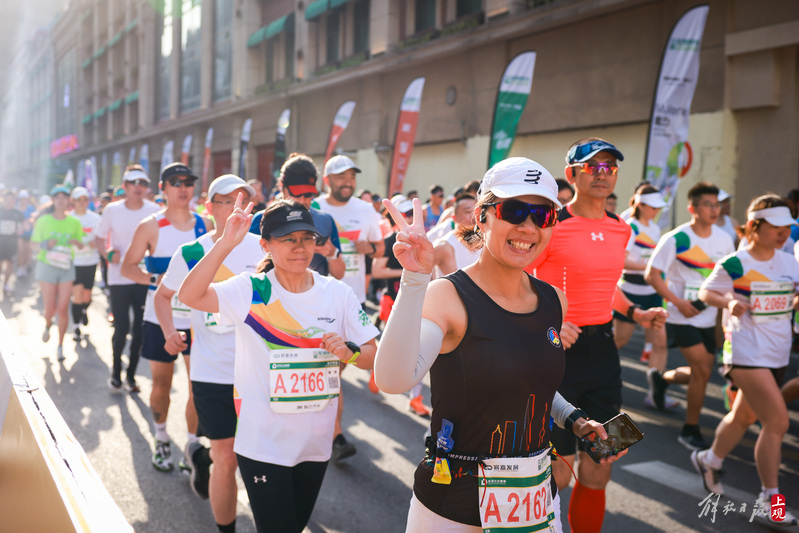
586	509
230	528
77	314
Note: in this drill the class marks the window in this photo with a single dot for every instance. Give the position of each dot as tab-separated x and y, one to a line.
66	88
270	60
333	36
467	7
223	22
360	26
190	48
163	63
425	15
288	48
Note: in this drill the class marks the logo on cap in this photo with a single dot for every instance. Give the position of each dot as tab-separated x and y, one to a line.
533	176
294	215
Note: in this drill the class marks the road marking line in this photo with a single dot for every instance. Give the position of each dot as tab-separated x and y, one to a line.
684	481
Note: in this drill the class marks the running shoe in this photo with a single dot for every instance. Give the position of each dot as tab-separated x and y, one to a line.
645	355
657	387
162	456
372	385
46	334
114	385
198	459
76	336
7	290
670	402
417	406
22	272
764	502
691	438
131	386
60	353
710	476
342	448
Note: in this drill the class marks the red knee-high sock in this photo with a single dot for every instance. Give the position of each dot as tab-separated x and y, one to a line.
586	509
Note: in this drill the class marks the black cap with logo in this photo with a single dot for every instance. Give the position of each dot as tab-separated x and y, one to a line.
286	219
177	169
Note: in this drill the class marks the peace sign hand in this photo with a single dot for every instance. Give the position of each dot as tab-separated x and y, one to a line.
238	223
413	249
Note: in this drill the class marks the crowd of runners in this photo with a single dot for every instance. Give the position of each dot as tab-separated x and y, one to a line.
514	293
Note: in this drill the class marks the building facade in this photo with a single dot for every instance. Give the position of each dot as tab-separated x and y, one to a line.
142	73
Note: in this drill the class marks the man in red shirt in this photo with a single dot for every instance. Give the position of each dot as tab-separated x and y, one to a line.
585	259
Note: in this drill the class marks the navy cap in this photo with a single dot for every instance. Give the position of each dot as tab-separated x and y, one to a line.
177	169
286	219
585	151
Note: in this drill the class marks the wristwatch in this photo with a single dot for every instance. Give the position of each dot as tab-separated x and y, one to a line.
374	248
335	255
355	349
578	413
631	310
153	279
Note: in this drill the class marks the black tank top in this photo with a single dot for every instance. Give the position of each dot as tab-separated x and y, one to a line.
496	388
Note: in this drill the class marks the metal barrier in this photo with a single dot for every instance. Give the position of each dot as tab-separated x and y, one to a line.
46	480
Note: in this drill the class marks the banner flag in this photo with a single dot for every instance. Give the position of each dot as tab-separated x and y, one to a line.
280	144
340	123
144	158
116	168
168	156
514	89
184	153
668	152
207	158
405	136
132	155
245	142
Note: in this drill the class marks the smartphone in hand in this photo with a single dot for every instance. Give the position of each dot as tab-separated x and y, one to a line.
622	433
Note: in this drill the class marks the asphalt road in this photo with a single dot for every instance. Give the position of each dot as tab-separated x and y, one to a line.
653	489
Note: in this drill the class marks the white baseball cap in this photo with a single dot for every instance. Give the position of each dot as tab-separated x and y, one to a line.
652	199
24	194
226	184
777	216
79	192
402	203
339	164
519	176
723	195
135	174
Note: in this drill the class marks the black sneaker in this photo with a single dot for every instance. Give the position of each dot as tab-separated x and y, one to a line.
199	460
692	438
342	448
114	385
76	336
131	386
657	386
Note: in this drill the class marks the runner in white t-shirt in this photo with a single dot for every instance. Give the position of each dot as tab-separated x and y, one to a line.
756	288
117	225
359	233
646	203
166	326
686	256
293	326
213	354
85	260
449	252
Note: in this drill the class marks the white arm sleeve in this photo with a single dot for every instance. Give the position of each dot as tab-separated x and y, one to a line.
410	344
561	409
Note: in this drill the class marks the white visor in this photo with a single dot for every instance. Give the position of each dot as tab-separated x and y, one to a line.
652	199
777	216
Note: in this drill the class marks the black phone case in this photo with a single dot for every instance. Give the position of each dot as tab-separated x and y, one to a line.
599	449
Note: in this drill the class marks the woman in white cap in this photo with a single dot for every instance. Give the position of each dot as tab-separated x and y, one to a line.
756	288
725	221
86	259
287	358
646	204
57	235
489	335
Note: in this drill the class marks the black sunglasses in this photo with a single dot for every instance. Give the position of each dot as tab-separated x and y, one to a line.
516	212
177	182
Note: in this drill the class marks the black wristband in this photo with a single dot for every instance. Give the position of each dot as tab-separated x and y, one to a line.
631	311
374	248
578	413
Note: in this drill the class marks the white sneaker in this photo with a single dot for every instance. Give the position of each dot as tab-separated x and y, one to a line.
710	476
764	502
60	353
46	334
669	402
